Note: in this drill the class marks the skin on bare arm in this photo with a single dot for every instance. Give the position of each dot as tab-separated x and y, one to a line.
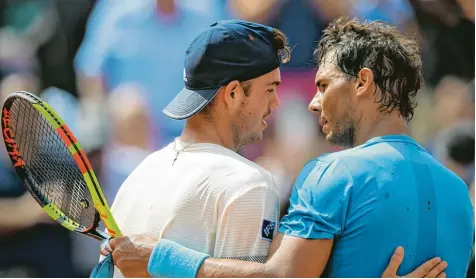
90	87
288	257
92	91
292	257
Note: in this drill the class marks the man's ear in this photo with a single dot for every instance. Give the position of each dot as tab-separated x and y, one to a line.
233	94
364	84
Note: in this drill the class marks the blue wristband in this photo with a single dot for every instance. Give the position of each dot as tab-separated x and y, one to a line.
172	260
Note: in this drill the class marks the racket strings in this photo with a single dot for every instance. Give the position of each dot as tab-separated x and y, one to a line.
56	176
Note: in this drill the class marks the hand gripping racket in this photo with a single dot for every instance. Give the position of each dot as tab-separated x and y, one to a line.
54	167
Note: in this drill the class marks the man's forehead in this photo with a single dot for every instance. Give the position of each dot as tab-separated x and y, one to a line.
325	70
270	78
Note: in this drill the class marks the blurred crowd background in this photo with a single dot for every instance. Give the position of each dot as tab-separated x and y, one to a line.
109	67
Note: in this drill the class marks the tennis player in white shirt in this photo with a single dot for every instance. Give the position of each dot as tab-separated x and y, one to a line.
198	191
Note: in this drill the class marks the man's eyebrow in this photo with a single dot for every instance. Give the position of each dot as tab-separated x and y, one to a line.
276	82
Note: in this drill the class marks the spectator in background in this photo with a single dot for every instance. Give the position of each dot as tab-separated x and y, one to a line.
447	30
454	147
55	56
454	101
395	12
144	43
42	36
302	21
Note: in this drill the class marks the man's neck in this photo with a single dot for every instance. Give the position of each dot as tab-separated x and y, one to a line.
392	124
199	130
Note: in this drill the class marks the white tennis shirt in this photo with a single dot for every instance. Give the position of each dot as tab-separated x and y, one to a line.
210	199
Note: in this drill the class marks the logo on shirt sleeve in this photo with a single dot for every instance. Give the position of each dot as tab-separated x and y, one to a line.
267	229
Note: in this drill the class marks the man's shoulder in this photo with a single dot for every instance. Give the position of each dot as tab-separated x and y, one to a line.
239	170
231	176
357	160
327	169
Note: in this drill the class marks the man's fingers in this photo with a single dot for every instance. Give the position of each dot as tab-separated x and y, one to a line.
113	242
441	275
394	264
105	247
425	268
437	270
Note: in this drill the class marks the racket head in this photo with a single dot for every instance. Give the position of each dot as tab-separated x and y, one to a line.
53	166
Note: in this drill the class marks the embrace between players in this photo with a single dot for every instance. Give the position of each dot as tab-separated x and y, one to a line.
198	209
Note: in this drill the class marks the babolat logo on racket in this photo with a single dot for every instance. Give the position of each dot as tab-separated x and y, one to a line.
9	137
267	229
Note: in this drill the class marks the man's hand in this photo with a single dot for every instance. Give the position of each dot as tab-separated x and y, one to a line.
131	254
432	268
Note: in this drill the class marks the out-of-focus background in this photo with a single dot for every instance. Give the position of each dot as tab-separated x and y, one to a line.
109	67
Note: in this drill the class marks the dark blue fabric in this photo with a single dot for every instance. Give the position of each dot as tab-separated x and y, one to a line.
225	51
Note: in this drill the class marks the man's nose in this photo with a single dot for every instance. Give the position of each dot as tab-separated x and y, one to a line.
315	104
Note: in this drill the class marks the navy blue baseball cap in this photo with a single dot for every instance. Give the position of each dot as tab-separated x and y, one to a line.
225	51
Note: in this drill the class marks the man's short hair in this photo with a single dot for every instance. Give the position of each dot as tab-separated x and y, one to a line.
394	59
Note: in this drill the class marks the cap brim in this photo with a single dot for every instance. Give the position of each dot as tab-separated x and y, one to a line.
189	102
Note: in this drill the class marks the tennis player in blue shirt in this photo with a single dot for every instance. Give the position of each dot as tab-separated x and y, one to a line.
349	210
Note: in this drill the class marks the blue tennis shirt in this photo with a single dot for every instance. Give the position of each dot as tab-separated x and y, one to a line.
372	198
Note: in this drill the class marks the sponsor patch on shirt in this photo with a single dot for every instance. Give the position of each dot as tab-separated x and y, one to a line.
267	229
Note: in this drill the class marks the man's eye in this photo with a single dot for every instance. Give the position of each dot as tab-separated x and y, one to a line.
270	91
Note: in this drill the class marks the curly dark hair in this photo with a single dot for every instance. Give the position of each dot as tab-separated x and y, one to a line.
394	59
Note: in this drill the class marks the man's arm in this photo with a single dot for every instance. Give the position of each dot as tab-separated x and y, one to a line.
310	266
142	255
90	66
295	257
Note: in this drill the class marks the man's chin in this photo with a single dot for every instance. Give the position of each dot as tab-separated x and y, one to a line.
253	139
339	141
330	139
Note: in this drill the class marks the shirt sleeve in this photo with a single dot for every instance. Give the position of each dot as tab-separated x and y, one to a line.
247	224
319	201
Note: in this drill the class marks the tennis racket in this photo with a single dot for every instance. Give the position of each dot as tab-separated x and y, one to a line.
53	166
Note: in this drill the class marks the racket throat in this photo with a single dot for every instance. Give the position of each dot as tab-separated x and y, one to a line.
99	235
